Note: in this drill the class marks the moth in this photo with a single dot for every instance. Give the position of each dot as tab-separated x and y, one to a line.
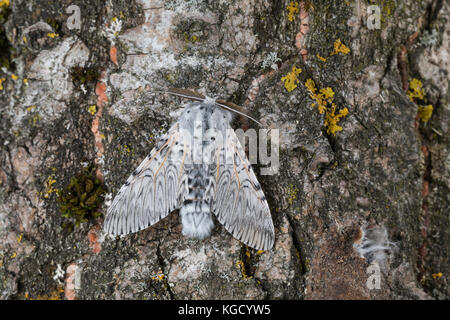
199	167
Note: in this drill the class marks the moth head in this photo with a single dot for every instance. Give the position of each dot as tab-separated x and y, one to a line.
229	106
209	100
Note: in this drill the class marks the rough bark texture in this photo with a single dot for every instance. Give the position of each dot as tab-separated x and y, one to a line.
375	193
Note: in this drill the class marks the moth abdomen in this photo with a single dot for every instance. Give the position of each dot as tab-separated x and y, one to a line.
196	218
195	211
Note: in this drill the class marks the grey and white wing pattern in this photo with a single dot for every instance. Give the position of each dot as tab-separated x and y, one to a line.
239	202
156	188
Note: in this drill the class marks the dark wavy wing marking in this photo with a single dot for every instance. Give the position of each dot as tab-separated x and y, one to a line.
156	188
239	202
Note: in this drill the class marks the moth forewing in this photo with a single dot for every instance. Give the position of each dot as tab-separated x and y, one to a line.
144	199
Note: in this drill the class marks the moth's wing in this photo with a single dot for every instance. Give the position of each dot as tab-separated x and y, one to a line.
156	187
238	201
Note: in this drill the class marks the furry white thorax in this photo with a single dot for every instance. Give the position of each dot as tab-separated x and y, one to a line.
207	115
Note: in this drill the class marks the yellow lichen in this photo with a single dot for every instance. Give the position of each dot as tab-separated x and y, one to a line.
92	109
54	295
125	149
425	112
415	90
14	77
339	47
19	238
310	85
259	252
159	276
52	35
292	194
25	81
324	102
190	39
241	265
1	83
293	9
13	255
437	275
33	121
49	188
415	93
4	3
321	98
331	119
327	94
291	80
321	58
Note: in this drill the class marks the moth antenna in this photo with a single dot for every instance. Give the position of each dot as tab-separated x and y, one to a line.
184	93
218	103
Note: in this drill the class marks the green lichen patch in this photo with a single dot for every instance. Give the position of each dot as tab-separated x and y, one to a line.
6	50
130	13
192	31
84	76
292	193
55	24
194	34
80	200
4	10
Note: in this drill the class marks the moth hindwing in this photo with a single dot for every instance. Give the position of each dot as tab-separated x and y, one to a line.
199	167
